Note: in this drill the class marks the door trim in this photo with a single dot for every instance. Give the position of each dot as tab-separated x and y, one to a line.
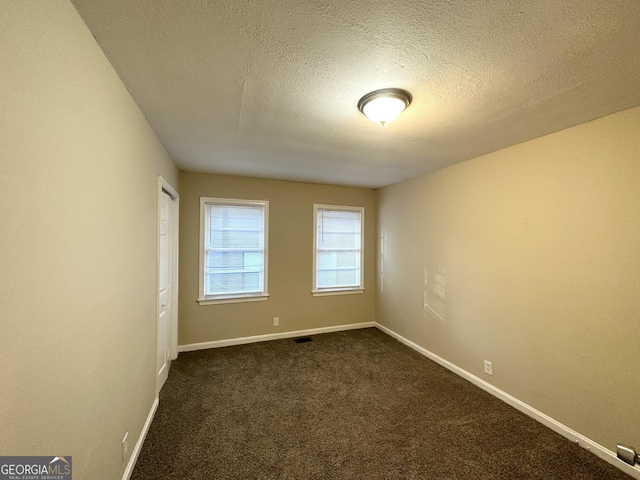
165	186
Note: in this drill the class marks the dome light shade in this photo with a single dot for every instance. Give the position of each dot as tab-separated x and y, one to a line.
384	106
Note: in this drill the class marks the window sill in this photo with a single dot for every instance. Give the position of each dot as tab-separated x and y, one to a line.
340	291
234	299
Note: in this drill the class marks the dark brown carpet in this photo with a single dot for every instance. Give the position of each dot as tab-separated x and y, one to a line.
348	405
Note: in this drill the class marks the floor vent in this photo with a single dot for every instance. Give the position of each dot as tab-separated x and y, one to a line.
302	340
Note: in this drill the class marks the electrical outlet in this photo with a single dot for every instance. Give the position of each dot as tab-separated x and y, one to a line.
276	321
125	447
488	367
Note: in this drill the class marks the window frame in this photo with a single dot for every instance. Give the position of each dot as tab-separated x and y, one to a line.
241	296
321	292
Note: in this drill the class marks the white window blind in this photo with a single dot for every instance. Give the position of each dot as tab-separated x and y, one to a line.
234	249
338	248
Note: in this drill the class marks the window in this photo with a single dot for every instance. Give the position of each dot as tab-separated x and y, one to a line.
233	250
338	250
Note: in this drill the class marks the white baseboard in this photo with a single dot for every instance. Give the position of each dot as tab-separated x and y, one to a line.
586	443
272	336
136	451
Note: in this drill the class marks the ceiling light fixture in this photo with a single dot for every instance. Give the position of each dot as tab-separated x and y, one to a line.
384	106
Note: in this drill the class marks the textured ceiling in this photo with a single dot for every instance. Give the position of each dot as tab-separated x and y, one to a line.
269	88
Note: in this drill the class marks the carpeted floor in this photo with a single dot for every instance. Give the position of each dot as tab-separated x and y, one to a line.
348	405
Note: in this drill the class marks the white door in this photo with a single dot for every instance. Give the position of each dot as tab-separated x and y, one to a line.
165	289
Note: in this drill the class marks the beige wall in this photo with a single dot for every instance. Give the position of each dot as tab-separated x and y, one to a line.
78	176
290	257
540	244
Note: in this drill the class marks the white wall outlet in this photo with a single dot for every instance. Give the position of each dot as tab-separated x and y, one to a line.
276	321
125	447
488	367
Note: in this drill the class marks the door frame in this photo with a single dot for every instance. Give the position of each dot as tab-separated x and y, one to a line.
165	186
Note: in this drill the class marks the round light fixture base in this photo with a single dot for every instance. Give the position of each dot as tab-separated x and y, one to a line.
385	105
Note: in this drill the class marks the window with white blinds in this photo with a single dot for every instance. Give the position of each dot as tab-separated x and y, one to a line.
233	253
338	249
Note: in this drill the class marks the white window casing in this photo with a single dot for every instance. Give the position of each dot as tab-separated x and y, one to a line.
338	250
233	250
